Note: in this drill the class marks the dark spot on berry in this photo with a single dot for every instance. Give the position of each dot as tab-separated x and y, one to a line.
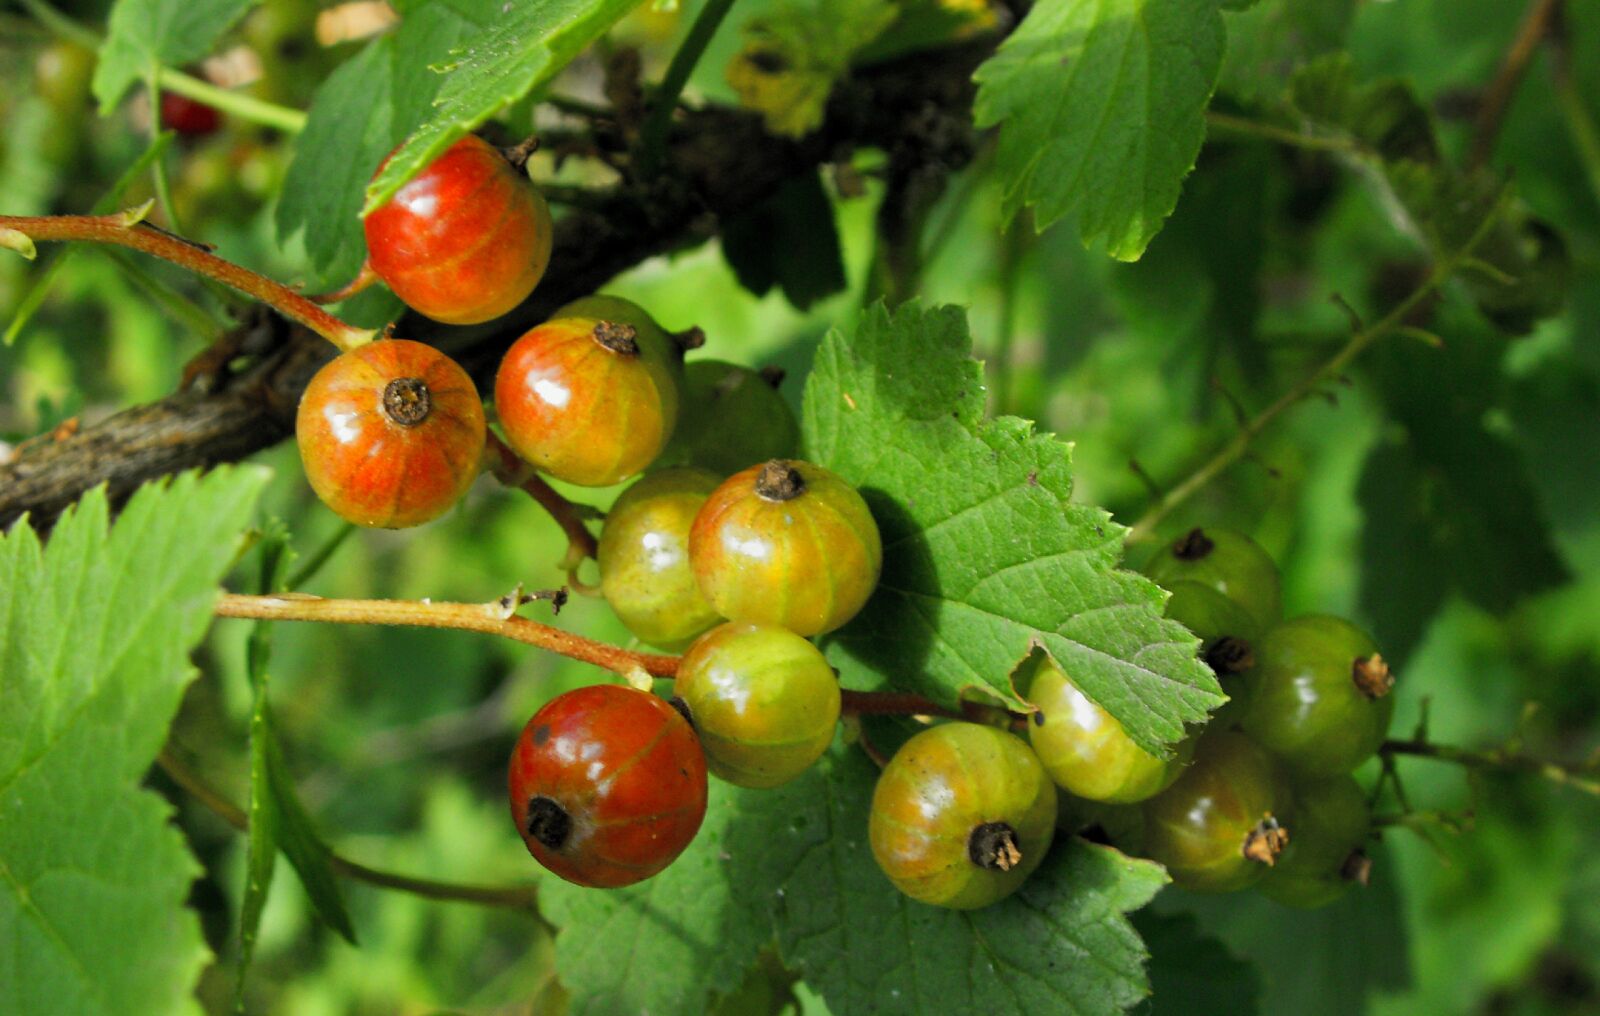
683	710
407	401
767	62
1038	719
548	822
993	846
541	733
619	338
1193	545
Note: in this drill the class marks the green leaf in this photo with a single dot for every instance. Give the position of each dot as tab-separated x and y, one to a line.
297	837
522	48
1059	944
668	944
95	632
985	555
793	864
1102	107
1192	973
793	54
789	240
142	34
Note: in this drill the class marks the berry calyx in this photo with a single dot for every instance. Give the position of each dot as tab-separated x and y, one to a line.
465	240
608	785
786	543
1084	748
763	700
1228	637
961	816
736	417
1227	561
1214	828
587	400
1332	823
644	558
391	433
1319	695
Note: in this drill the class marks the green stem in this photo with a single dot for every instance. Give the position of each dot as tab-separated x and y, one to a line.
1580	123
1504	761
1282	135
245	107
1228	454
653	136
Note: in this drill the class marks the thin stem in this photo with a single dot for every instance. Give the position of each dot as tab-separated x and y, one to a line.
1579	118
306	572
1496	759
245	107
653	135
1228	454
125	229
511	471
494	618
516	897
364	278
1497	97
1282	135
888	703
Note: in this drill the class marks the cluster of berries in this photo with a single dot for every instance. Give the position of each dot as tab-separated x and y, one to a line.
608	784
964	812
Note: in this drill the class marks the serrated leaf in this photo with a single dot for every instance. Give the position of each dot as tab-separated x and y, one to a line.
521	49
691	931
1101	105
789	240
142	34
1192	973
793	864
793	54
95	632
985	555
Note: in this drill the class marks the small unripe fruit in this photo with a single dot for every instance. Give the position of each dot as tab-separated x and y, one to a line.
1319	695
733	418
1227	561
1326	857
1216	828
763	700
644	558
961	816
786	543
1084	748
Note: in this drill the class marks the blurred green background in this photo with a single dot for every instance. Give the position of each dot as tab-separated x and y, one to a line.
1449	500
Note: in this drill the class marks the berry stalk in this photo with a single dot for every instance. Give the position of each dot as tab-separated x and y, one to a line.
495	618
511	471
128	229
1495	759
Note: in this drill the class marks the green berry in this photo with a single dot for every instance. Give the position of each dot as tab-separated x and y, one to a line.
1227	561
1332	824
733	418
1084	748
763	700
644	558
1319	695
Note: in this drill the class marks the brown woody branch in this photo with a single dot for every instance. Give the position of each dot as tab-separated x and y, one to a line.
720	163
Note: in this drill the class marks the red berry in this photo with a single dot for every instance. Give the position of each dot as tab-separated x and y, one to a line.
787	543
466	240
188	117
608	785
391	433
588	401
